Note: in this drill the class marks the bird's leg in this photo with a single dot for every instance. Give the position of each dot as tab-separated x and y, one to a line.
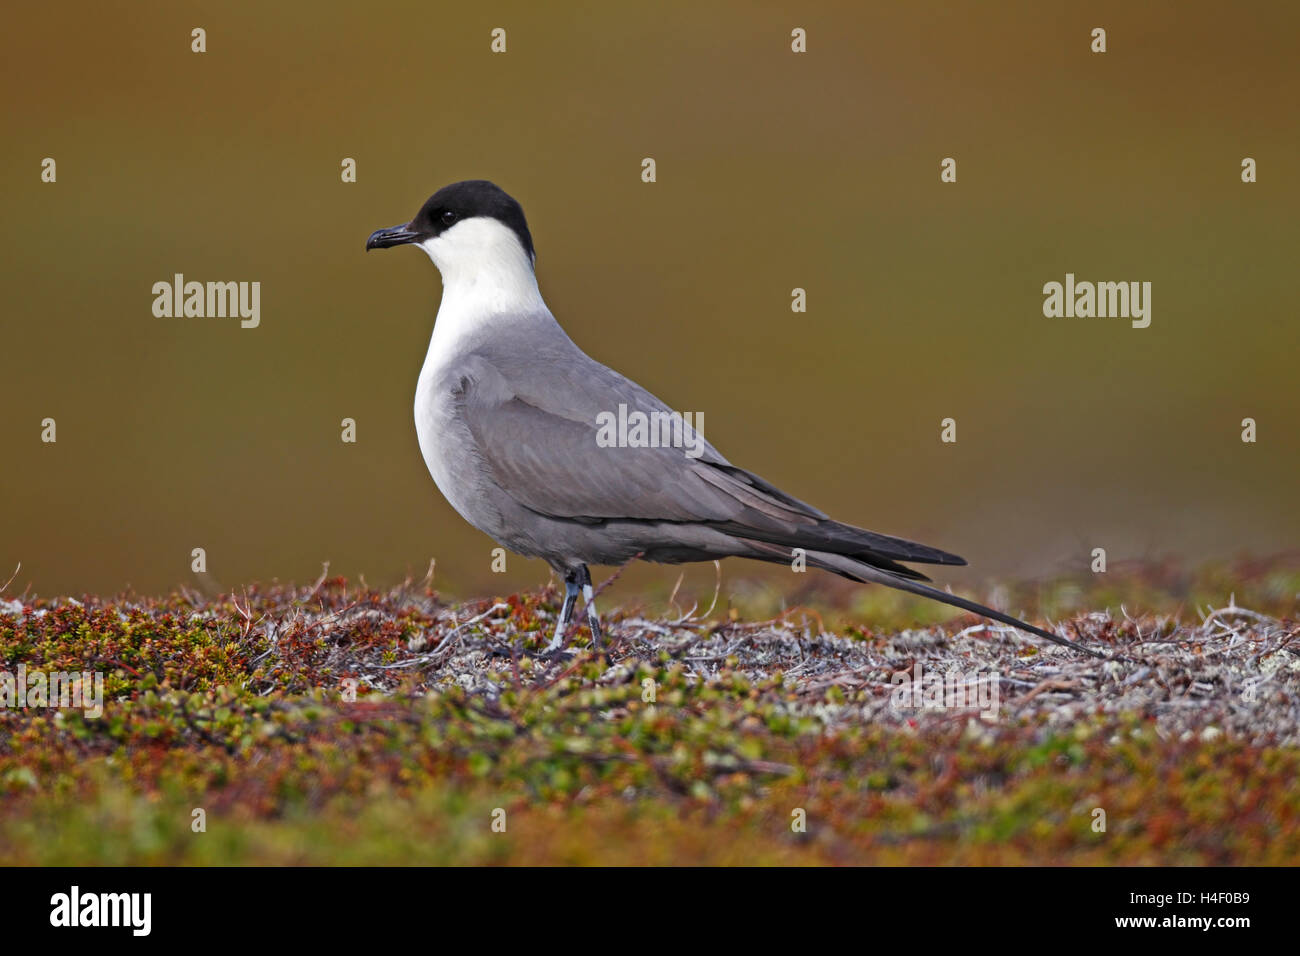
589	599
566	609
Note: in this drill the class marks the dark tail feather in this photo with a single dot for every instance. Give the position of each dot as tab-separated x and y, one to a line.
858	571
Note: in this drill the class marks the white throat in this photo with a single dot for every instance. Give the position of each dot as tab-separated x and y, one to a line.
483	264
488	285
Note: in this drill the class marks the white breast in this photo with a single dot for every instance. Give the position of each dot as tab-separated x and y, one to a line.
488	287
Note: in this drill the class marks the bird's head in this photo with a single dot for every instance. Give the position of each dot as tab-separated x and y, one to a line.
466	228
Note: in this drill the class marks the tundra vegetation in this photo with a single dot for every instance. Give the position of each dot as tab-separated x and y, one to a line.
333	723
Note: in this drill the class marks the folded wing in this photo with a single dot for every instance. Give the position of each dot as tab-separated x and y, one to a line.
537	425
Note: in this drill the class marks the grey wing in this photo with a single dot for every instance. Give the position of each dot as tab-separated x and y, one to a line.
536	424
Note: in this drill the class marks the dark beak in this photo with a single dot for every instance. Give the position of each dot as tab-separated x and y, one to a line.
396	236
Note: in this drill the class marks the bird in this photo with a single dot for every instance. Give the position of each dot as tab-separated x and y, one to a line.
509	411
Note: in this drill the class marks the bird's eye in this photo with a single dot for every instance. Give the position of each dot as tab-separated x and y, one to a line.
448	217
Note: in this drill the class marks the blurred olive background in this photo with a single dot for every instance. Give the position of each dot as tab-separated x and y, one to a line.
775	170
